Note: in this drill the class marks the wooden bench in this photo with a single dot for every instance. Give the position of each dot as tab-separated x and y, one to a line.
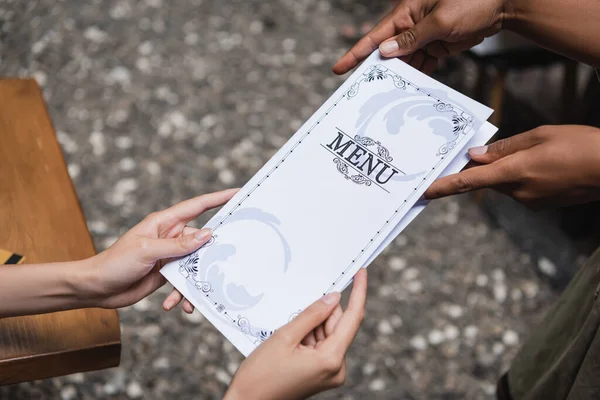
40	217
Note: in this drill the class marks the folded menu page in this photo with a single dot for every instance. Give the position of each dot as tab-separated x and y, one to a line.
483	135
318	210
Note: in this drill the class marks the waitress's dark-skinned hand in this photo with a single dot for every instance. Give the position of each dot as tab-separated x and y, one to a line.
421	32
547	166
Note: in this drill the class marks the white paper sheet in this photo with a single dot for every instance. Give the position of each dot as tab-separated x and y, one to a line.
320	208
486	132
481	138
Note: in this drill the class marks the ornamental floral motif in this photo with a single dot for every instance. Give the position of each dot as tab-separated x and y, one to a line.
246	327
264	335
443	107
342	167
189	265
461	124
204	287
382	151
244	324
376	72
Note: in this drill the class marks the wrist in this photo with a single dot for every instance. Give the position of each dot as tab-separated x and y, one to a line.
80	279
234	392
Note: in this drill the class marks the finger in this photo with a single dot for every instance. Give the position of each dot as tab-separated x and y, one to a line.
332	321
320	333
309	319
188	230
366	27
471	179
418	59
504	147
424	32
310	339
406	59
187	306
429	65
462	45
175	297
189	210
157	249
471	164
365	46
437	49
149	284
172	300
441	49
348	325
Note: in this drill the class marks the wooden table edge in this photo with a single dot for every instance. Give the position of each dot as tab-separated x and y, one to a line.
71	360
60	363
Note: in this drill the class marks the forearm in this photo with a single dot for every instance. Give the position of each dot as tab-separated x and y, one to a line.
568	27
41	288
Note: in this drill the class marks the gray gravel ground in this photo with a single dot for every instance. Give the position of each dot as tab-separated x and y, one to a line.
156	101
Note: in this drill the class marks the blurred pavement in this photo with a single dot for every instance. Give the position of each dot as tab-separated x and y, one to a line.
157	101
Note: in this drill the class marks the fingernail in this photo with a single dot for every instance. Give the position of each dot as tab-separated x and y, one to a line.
331	298
391	46
203	235
170	305
478	151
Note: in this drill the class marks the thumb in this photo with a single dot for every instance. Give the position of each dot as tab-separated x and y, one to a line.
502	148
309	319
413	39
157	249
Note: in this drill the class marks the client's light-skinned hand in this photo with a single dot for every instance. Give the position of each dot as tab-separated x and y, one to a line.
295	363
120	276
128	271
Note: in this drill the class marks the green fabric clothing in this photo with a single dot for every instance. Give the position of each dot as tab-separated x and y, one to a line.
561	359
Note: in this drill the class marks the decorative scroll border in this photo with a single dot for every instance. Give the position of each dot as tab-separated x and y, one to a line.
462	121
